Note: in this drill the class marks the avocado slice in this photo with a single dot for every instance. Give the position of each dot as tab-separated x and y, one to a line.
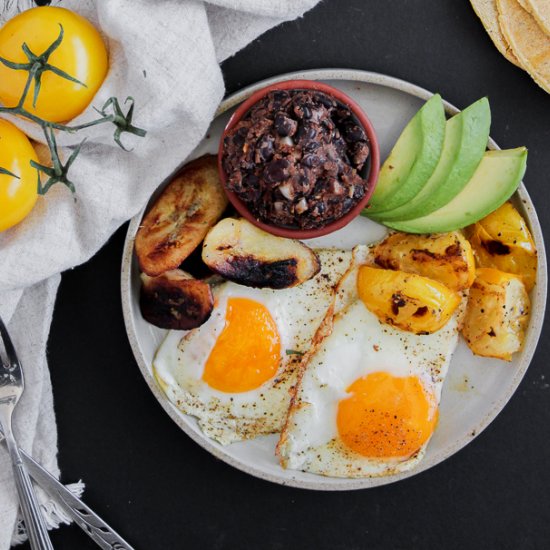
497	177
412	159
466	136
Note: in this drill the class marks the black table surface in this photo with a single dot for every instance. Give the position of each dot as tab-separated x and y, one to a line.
162	491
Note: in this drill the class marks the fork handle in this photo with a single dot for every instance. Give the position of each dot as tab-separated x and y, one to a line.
103	535
32	515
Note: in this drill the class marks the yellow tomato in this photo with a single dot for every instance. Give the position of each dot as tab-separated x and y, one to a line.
17	195
82	54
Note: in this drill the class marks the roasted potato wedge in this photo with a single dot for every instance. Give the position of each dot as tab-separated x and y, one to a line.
239	251
497	314
180	218
175	300
502	241
444	257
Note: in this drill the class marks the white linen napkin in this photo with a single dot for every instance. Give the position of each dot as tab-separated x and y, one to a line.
166	55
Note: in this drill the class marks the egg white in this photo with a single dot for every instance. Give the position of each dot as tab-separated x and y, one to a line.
359	344
226	417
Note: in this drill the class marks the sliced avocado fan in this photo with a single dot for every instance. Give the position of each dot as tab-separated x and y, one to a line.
412	159
466	136
496	178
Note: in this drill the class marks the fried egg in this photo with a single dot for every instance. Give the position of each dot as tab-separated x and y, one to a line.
367	401
234	373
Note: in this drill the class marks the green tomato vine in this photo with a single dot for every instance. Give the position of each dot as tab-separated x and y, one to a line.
110	112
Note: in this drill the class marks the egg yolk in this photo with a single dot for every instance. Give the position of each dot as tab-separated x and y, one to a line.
248	350
386	416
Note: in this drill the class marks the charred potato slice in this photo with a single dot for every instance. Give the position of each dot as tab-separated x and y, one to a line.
180	218
444	257
502	241
175	300
241	252
497	314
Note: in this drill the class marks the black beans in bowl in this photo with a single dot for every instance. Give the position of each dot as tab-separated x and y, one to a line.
297	159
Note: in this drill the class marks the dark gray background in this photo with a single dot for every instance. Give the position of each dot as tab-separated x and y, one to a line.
162	491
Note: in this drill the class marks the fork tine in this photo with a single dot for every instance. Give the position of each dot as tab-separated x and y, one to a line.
8	346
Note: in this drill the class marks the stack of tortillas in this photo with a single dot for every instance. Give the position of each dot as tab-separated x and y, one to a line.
520	30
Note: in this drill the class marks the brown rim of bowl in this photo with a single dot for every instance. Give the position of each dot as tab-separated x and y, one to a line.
245	106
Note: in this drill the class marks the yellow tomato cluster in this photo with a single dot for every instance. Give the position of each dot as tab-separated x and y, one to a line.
82	55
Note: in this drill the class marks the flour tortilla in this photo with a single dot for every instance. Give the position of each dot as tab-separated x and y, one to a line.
540	10
529	43
486	10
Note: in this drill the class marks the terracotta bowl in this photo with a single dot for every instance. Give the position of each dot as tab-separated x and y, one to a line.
373	163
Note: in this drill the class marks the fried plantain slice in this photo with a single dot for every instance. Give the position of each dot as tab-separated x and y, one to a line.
180	218
175	300
239	251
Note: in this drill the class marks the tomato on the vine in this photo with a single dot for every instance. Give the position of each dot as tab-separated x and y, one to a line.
82	54
17	194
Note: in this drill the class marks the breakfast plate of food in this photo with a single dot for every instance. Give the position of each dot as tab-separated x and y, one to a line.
342	286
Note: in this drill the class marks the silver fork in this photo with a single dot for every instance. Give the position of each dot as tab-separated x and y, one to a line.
11	388
99	531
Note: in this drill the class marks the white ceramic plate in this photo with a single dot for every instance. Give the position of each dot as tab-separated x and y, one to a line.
476	389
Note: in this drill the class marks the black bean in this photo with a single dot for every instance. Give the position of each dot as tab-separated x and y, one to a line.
265	149
284	125
354	133
311	160
305	133
347	204
278	99
311	146
325	100
276	170
328	125
302	109
238	140
339	145
358	192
